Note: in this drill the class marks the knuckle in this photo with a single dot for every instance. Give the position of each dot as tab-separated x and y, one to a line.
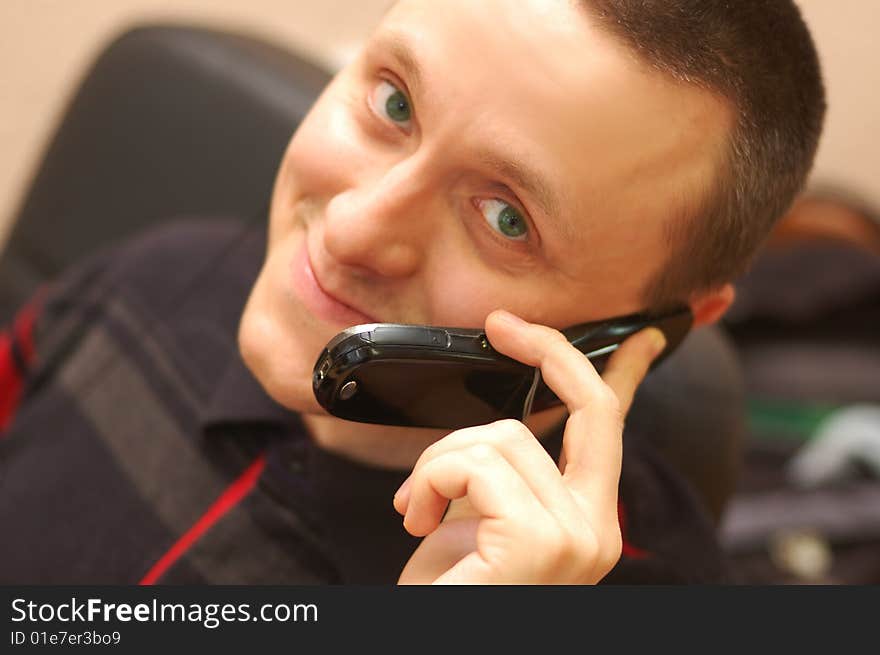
594	553
428	453
556	545
509	435
608	399
425	478
505	426
558	339
553	339
513	430
482	452
423	473
546	542
582	555
587	545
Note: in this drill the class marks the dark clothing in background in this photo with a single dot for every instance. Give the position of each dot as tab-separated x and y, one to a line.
805	328
139	448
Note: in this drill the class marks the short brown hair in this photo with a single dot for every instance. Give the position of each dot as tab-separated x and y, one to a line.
758	55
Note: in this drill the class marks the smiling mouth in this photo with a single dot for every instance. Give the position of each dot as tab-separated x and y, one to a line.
317	300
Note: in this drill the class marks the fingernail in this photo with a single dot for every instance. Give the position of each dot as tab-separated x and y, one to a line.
513	319
658	341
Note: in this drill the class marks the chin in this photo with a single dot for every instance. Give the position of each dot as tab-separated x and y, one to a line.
279	355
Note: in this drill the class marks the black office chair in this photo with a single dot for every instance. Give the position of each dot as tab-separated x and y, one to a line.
182	120
168	121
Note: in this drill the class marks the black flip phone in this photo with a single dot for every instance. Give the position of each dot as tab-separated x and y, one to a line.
441	377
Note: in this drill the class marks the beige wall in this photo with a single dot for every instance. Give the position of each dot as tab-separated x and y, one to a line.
846	35
45	44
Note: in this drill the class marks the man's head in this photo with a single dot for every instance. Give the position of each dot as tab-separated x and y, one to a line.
557	159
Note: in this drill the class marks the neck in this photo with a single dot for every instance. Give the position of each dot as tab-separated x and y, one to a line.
390	447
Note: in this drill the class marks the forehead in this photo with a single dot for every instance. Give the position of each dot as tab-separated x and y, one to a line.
538	80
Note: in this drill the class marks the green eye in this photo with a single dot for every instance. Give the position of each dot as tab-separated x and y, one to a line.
505	219
392	102
397	107
511	223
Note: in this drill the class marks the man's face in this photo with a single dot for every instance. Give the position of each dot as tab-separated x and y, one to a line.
475	156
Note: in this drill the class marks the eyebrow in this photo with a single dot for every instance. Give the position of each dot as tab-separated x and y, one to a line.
525	178
399	48
508	167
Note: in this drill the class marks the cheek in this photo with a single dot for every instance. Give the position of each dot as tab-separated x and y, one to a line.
465	292
320	161
328	151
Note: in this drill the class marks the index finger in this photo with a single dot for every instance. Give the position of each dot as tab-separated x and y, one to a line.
591	445
564	368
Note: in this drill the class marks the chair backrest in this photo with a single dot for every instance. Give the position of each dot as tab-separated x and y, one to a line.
180	120
168	121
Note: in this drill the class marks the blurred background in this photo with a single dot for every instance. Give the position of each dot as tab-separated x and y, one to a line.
804	329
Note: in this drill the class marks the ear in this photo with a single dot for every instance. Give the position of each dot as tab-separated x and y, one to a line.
709	306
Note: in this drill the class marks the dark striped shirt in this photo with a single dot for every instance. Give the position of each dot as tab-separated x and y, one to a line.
135	446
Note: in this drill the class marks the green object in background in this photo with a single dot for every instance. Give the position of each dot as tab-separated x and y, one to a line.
785	419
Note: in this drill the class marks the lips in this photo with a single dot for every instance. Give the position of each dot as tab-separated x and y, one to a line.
322	303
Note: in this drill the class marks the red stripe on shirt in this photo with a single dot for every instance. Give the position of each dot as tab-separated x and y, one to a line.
233	494
633	552
11	372
10	382
23	328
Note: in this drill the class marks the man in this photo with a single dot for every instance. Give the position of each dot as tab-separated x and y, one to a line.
524	166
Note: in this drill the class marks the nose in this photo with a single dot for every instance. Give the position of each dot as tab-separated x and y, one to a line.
382	224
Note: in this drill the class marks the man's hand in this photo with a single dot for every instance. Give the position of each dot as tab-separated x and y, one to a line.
521	518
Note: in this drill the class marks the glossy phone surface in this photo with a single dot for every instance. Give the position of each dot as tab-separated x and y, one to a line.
440	377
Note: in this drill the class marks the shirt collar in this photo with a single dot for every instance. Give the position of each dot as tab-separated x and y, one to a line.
239	398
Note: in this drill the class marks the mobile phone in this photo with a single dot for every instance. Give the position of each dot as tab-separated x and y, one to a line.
444	377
